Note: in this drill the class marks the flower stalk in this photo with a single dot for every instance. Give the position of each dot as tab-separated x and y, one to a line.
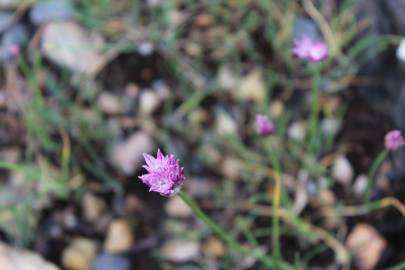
313	135
268	261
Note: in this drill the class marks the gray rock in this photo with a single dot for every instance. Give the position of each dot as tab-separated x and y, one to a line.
9	3
68	44
16	259
107	261
13	38
127	155
304	27
180	250
6	19
46	11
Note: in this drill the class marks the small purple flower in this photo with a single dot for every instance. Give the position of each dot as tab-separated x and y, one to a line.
14	50
302	47
165	175
394	140
312	50
318	52
264	126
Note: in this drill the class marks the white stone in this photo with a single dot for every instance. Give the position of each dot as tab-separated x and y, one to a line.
401	51
296	131
180	250
149	101
225	125
16	259
251	87
342	170
110	103
176	207
68	44
360	184
119	237
79	255
366	244
127	155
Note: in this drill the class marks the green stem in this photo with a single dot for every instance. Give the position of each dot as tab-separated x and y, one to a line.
268	261
373	171
400	266
313	117
277	192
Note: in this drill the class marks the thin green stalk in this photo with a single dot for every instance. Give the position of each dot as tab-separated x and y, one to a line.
313	134
268	261
400	266
372	172
276	204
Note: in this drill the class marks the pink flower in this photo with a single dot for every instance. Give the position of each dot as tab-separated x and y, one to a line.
165	175
394	140
318	52
264	126
14	50
302	47
312	50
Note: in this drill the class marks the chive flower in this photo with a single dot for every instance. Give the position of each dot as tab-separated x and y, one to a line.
164	174
264	127
394	140
312	50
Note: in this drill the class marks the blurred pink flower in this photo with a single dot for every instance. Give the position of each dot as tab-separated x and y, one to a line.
302	47
394	140
318	52
165	175
312	50
264	126
14	50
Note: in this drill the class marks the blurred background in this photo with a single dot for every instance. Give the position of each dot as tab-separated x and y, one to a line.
87	86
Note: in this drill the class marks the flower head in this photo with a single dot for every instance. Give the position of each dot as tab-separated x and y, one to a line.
14	50
312	50
165	175
394	140
264	126
302	47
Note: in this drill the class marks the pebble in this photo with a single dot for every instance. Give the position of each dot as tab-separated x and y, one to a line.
251	87
304	27
110	103
276	109
48	10
227	79
401	51
79	255
17	259
127	155
230	167
149	101
6	19
180	250
107	261
9	3
214	247
176	207
331	126
119	237
146	48
10	154
360	184
64	42
342	170
366	244
93	207
296	131
225	124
